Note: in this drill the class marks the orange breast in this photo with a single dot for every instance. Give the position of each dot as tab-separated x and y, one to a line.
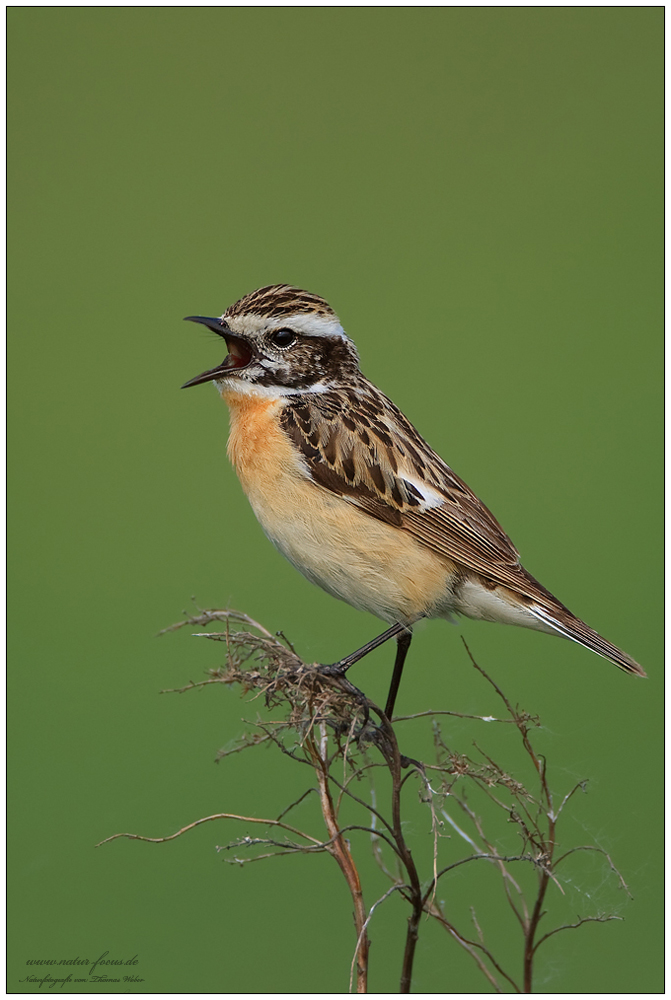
257	444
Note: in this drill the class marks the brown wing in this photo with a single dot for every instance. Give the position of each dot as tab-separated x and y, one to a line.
357	444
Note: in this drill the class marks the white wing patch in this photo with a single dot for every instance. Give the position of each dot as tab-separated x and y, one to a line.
432	498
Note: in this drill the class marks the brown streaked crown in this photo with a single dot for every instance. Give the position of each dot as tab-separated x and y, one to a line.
279	300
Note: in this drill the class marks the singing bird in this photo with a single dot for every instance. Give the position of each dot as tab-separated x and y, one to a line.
352	495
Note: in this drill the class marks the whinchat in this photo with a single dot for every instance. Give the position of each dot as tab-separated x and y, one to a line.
352	494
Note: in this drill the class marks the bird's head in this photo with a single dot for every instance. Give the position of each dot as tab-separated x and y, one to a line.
280	340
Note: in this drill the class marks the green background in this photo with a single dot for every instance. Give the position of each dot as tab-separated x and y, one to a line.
477	191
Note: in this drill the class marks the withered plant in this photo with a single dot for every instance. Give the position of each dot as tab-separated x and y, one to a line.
345	739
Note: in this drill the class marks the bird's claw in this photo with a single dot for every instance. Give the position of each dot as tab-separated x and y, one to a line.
338	672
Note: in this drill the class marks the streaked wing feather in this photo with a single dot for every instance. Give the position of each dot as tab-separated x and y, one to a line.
356	444
360	446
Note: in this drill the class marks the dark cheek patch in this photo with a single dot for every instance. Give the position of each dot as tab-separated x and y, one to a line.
310	361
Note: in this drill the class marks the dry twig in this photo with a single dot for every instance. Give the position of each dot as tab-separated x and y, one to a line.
327	725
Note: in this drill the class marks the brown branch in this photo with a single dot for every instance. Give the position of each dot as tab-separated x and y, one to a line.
388	746
522	721
375	842
532	925
547	841
481	857
599	850
456	715
369	808
213	615
192	685
342	855
316	698
580	785
508	879
470	947
600	919
395	888
289	848
297	802
208	819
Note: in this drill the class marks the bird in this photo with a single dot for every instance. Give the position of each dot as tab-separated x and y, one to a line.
350	492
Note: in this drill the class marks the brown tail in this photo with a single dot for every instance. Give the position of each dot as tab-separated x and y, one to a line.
566	624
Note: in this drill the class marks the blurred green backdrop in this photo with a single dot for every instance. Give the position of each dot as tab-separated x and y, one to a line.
477	193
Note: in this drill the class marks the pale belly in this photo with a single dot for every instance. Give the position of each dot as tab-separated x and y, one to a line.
371	565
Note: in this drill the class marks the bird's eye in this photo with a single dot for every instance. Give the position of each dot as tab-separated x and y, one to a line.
283	338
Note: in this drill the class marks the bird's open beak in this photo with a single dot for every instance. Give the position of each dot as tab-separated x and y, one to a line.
239	351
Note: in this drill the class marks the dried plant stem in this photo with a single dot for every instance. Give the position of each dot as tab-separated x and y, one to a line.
388	746
544	843
327	726
208	819
530	933
339	849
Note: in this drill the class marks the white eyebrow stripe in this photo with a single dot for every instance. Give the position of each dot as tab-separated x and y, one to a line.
311	324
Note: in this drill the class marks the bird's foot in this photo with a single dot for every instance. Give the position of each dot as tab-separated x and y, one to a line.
338	671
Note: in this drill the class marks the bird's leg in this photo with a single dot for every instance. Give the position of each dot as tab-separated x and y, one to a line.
342	666
402	646
339	669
